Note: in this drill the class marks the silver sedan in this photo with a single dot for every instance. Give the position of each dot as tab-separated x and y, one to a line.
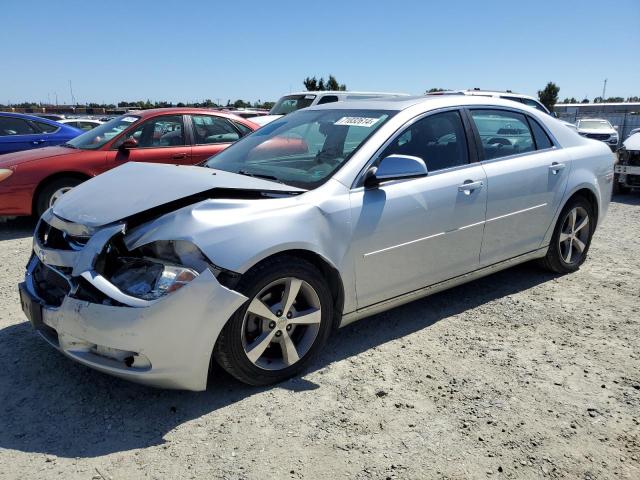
153	272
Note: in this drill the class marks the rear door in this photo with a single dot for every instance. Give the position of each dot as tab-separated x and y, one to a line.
160	139
526	178
211	134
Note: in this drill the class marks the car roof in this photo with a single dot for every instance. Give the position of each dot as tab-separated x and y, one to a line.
594	119
152	112
27	117
401	103
346	92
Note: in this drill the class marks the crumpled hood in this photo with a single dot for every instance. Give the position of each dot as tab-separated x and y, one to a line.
16	158
135	187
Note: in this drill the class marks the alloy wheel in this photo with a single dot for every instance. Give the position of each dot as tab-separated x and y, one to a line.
281	323
574	235
57	194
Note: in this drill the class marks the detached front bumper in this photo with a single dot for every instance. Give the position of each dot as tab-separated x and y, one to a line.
167	343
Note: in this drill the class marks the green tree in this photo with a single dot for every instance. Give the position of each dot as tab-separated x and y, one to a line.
549	95
434	90
313	84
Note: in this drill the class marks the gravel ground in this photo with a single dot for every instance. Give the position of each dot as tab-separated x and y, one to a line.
518	375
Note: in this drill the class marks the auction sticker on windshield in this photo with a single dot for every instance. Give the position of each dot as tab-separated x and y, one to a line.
129	119
357	121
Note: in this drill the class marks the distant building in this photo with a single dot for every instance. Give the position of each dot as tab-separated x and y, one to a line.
596	108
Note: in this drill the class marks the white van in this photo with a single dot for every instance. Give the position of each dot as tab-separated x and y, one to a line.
296	101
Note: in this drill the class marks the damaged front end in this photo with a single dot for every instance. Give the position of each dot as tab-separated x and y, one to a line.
150	314
627	170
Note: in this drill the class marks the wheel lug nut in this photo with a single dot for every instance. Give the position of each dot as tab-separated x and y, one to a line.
289	314
288	327
279	313
278	333
272	325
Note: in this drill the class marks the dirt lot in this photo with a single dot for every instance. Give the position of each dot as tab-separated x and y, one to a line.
519	375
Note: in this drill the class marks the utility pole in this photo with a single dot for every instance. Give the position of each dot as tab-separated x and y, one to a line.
604	89
73	99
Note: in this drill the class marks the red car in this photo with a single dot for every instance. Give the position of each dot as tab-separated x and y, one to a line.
31	181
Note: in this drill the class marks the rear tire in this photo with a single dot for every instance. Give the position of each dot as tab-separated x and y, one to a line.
52	191
571	237
281	328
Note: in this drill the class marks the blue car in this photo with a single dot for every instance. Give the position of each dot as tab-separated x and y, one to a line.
23	132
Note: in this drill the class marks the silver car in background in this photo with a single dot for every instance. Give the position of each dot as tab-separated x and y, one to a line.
318	219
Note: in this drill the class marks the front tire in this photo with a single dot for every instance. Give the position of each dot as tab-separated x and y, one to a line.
282	326
52	191
571	237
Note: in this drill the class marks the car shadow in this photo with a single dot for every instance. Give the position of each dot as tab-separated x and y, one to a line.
16	228
631	198
52	405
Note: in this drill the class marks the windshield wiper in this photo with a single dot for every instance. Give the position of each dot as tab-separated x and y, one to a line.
260	175
68	145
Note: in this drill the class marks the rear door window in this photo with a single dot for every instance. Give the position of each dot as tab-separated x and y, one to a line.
209	129
45	127
502	133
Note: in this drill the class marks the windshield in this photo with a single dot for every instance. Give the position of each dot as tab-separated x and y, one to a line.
595	124
291	103
96	138
303	149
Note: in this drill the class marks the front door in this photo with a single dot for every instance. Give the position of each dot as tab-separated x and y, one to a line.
412	233
526	177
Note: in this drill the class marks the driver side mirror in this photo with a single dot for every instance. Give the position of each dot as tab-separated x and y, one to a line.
128	144
395	167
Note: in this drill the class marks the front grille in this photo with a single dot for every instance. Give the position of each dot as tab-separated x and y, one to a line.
633	159
598	136
51	284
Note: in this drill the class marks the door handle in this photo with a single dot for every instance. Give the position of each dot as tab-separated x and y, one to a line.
555	167
469	186
178	156
37	142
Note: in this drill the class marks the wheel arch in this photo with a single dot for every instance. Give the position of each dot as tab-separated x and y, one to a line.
587	192
55	176
328	270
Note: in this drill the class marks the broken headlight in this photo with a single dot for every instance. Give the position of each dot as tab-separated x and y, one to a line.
149	280
156	269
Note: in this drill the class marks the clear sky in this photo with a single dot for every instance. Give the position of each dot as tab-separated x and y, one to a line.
192	50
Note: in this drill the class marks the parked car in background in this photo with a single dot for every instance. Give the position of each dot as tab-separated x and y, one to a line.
633	132
598	129
155	272
246	112
25	132
30	182
297	101
56	117
627	170
514	97
84	124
